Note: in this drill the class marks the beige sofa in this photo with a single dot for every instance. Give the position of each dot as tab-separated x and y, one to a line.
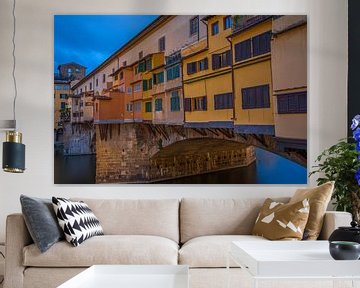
194	232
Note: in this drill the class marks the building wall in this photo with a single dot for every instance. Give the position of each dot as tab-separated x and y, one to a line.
176	32
252	72
58	101
209	82
255	74
327	82
289	64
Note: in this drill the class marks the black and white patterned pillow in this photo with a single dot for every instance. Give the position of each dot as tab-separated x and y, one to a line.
77	220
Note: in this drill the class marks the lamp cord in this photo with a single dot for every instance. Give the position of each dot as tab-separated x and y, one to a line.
14	60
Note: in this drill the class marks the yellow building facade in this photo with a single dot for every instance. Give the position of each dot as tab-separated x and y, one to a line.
207	79
251	46
62	92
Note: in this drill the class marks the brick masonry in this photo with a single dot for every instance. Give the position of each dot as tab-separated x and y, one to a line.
79	139
142	153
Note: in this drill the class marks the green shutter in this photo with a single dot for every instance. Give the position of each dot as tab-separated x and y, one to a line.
150	84
145	86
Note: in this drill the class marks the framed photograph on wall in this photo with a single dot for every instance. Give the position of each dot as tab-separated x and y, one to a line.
180	99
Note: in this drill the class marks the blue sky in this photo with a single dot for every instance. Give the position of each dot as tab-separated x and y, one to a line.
90	39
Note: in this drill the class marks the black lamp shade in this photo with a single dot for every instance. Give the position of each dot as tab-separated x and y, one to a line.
13	157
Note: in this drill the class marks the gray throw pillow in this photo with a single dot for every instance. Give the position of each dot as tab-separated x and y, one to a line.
41	221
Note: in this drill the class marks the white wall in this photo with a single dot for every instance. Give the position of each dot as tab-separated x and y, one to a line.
327	70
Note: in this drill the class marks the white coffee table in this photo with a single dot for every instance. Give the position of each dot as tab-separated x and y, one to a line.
292	260
131	276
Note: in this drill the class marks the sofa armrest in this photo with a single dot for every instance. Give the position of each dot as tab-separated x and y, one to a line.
333	220
17	237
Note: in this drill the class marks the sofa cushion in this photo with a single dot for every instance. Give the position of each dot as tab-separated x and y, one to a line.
279	221
158	217
41	221
319	198
201	217
211	251
107	249
76	220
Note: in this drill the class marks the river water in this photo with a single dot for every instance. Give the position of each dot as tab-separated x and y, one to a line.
269	168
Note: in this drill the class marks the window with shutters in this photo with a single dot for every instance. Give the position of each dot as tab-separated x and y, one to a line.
137	87
175	101
121	75
97	82
255	46
162	44
158	78
203	64
255	97
158	104
227	22
141	66
129	107
292	103
191	68
145	85
194	25
243	50
148	106
90	86
137	107
148	64
215	28
221	60
141	54
261	43
187	104
200	103
223	101
124	63
173	72
104	78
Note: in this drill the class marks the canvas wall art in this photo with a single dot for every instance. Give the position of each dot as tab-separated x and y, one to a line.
180	99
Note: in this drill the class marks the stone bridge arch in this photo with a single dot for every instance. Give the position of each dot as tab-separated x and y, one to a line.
130	152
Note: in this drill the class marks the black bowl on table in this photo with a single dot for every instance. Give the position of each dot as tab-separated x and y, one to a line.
344	250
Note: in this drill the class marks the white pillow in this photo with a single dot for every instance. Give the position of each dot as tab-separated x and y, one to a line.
76	220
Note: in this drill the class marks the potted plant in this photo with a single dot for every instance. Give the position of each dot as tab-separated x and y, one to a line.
341	163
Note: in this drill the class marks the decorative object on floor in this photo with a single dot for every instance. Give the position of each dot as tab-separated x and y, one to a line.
319	198
351	233
13	149
344	250
77	220
41	221
341	163
279	221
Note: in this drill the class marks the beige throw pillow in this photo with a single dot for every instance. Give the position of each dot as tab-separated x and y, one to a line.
319	198
279	221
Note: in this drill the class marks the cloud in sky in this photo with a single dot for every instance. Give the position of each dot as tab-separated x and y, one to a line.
90	39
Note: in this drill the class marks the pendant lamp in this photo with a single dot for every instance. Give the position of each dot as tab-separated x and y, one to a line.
13	149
